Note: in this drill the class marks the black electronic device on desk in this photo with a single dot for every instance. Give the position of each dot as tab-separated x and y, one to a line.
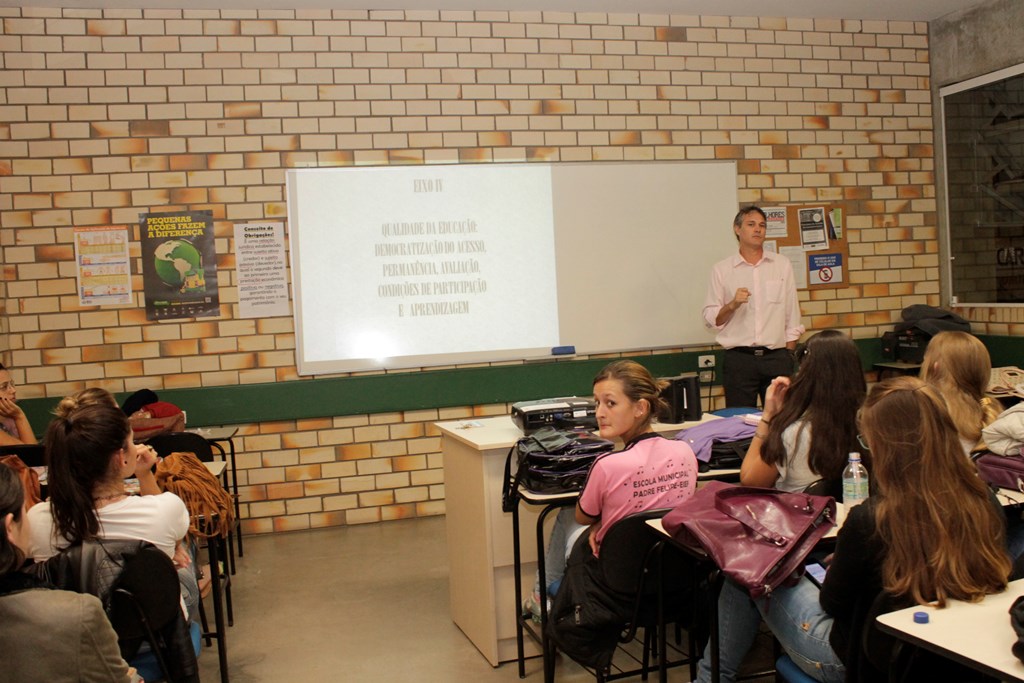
683	397
567	412
905	347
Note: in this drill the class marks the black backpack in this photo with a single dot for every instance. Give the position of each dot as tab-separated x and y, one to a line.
550	461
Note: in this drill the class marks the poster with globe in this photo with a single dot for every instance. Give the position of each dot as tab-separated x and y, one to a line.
179	265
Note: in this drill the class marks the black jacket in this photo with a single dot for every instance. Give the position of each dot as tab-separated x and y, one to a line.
95	567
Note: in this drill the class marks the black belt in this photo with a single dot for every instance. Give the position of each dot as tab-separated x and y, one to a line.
755	350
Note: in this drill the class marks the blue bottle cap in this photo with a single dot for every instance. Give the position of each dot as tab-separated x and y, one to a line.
920	617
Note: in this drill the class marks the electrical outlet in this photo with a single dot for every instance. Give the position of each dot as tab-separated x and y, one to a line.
706	376
705	362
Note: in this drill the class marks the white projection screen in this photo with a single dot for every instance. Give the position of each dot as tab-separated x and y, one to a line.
410	266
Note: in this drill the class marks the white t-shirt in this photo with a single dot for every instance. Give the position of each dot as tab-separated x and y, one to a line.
161	519
795	473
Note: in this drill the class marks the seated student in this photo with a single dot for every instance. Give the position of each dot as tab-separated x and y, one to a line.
628	399
91	452
48	634
184	552
807	430
809	424
14	426
651	472
957	364
907	543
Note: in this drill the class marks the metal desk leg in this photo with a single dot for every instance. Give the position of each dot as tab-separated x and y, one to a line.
659	550
234	490
517	564
213	545
546	646
238	525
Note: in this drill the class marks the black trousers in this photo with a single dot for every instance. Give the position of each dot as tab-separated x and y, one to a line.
747	374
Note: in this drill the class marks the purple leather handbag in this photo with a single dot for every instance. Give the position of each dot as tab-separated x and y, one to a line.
1002	471
758	537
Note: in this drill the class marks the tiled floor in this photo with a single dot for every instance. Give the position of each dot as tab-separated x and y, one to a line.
361	603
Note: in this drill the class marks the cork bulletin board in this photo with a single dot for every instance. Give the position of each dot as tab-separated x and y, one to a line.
813	237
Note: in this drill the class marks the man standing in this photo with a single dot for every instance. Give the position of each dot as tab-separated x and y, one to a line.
752	304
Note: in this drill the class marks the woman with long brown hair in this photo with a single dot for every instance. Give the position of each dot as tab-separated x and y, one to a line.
929	533
809	423
935	551
90	452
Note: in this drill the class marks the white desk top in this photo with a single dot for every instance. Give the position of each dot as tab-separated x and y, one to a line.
534	498
976	634
214	433
1010	497
832	533
216	467
501	432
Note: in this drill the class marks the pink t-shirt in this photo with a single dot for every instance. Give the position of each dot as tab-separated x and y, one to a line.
652	472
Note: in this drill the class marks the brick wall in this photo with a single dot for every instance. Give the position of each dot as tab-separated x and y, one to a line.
108	113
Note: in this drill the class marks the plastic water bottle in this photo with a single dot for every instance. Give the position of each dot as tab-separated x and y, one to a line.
855	482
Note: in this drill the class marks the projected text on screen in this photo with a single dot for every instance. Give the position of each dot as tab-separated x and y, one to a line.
422	261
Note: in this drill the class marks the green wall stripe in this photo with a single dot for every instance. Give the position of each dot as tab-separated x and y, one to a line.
395	392
370	394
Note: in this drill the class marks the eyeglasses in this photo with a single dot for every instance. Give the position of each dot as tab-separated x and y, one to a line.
862	442
7	386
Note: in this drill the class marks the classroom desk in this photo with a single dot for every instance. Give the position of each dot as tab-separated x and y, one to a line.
1008	497
221	588
548	503
896	368
480	544
978	635
217	436
216	468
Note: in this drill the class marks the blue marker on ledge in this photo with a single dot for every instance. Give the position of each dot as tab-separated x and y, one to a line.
563	350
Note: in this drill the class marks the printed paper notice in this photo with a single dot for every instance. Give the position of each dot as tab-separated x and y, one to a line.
776	221
262	277
825	269
104	269
796	259
835	217
812	229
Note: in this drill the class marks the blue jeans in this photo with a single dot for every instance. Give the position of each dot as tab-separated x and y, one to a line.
796	618
563	535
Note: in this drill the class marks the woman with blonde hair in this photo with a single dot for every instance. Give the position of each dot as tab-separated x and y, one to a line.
957	364
930	532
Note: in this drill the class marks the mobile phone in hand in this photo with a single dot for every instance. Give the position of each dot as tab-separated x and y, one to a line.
816	573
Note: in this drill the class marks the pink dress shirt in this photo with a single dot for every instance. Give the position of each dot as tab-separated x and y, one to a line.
770	318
